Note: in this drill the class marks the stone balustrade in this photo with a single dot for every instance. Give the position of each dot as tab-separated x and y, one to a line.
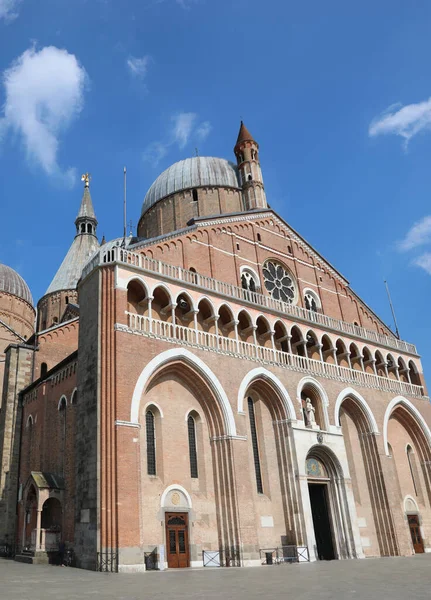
235	347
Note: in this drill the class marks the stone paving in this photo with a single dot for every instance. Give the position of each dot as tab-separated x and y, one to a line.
371	579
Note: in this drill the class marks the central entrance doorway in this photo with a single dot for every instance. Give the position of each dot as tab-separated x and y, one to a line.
321	521
415	532
177	540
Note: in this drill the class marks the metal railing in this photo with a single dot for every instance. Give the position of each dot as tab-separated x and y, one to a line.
278	556
107	561
202	339
178	274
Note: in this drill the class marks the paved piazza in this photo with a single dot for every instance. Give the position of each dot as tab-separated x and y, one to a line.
382	578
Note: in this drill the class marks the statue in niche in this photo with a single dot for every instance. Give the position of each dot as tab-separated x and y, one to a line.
309	413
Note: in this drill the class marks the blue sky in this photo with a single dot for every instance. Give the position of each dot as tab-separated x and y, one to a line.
336	93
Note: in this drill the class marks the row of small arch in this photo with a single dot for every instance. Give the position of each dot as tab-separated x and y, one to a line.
62	405
296	340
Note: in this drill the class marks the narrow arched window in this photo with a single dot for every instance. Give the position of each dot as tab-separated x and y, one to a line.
151	443
191	426
410	458
43	369
195	195
62	424
255	446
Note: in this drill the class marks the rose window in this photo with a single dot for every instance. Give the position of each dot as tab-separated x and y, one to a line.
278	282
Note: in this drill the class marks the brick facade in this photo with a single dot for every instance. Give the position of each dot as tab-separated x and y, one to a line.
188	387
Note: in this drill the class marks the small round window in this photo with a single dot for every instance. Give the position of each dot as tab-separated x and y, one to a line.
279	282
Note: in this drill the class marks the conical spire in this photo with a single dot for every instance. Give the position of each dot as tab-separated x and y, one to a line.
83	246
244	135
86	210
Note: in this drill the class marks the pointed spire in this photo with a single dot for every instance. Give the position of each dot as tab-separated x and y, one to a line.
86	221
83	246
244	135
86	209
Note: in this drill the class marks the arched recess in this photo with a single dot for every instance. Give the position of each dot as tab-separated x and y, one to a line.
418	435
414	413
174	488
265	375
332	485
319	398
181	354
269	410
178	380
359	428
351	393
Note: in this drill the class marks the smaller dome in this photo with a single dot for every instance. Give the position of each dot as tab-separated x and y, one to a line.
12	283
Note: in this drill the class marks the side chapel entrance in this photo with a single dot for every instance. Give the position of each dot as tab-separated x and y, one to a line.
177	540
415	532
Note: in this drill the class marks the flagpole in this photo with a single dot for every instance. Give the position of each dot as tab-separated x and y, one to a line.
125	206
392	309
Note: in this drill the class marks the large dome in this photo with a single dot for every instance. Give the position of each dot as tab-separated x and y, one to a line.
12	283
199	171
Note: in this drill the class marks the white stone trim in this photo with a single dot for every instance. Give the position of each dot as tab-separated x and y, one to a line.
261	373
413	411
167	289
324	396
139	568
408	497
312	293
127	424
148	404
195	362
195	564
123	283
172	487
350	392
186	293
59	402
210	302
75	391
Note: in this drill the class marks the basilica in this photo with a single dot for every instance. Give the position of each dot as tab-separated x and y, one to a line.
210	392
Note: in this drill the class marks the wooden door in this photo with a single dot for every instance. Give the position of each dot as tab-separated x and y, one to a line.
177	540
415	532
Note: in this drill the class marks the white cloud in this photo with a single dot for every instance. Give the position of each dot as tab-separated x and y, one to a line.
203	131
8	9
418	234
184	126
424	261
186	4
155	152
138	66
44	93
405	121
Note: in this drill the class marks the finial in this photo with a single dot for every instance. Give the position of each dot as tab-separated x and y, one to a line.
86	178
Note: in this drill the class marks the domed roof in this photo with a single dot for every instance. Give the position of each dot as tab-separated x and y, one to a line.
12	283
199	171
